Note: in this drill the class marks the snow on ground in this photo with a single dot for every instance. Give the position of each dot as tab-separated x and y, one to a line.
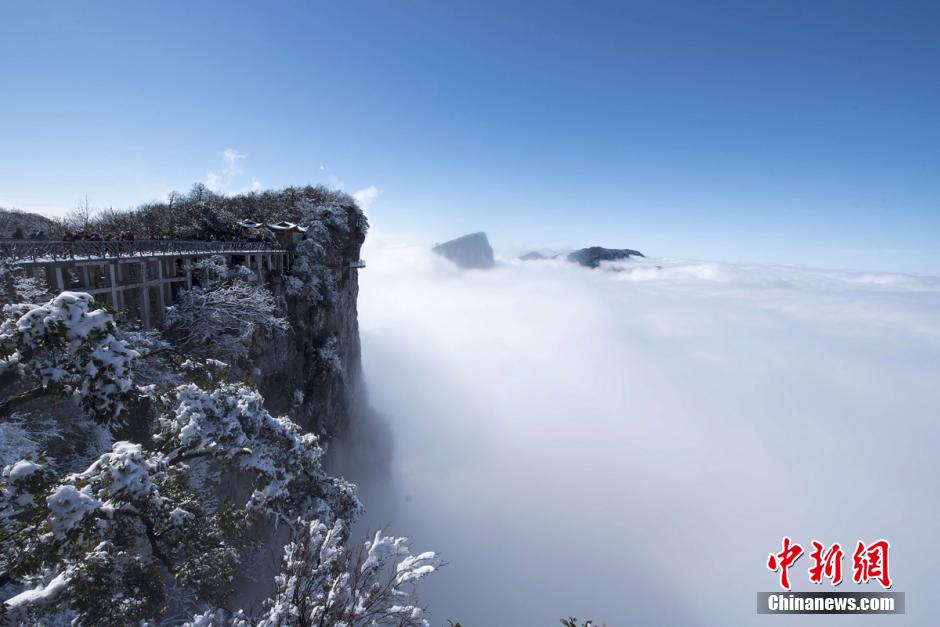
15	440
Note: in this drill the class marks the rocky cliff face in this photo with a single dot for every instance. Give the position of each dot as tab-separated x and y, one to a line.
310	372
593	256
313	372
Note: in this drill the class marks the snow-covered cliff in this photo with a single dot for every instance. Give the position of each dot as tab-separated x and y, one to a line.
313	371
198	450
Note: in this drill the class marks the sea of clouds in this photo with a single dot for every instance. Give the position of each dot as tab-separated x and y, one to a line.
629	444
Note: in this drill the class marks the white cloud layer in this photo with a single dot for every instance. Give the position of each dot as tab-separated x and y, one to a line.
629	447
366	196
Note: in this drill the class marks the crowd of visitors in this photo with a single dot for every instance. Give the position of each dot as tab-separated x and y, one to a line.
131	236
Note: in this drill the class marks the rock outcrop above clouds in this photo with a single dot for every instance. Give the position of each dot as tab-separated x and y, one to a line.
593	256
469	251
533	256
544	253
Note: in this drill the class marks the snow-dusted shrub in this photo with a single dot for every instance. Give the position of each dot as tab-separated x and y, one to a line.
202	211
158	364
69	348
311	277
328	355
315	257
105	541
221	321
100	542
573	622
330	215
148	531
323	582
295	286
244	273
230	424
210	271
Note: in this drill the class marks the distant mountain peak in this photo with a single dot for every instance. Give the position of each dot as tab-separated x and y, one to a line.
468	251
542	253
593	256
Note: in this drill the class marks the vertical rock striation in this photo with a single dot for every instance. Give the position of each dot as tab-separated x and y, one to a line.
313	371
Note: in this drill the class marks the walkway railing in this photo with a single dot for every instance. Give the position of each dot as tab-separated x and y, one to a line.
39	251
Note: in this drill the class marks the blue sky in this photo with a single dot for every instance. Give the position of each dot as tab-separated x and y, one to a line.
785	132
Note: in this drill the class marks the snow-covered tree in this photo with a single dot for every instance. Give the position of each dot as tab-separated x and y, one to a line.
67	347
315	261
573	622
107	542
311	277
229	424
222	320
330	360
154	518
323	582
201	211
117	541
103	542
210	271
244	273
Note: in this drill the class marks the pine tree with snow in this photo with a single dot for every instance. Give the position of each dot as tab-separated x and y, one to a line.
68	348
145	528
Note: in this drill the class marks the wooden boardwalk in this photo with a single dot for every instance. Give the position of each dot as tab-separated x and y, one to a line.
138	278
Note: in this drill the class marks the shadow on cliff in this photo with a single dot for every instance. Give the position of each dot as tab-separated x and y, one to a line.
363	453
